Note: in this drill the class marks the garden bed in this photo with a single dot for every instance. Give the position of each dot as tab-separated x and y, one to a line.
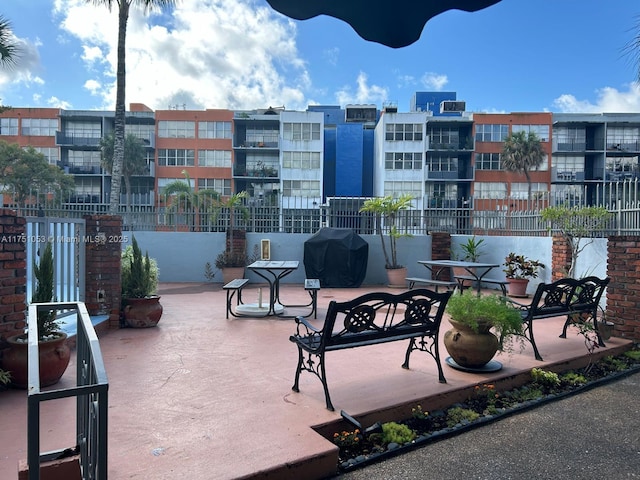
362	446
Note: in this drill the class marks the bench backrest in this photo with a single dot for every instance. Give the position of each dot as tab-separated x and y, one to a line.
567	295
381	315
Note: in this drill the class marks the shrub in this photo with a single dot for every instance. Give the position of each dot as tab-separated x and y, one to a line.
393	432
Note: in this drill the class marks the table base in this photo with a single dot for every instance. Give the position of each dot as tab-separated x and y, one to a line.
256	309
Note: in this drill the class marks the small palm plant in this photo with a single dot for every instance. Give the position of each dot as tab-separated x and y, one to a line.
44	274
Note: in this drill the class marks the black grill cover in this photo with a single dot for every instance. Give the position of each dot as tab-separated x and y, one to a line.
337	257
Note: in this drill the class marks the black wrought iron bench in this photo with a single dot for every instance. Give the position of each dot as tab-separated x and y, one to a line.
234	287
578	299
373	318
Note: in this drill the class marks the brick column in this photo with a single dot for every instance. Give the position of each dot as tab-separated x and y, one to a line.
560	258
13	274
623	292
441	250
102	281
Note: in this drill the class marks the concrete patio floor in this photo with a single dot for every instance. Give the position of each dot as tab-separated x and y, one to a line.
203	397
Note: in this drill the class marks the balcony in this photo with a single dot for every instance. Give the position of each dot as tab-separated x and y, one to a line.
569	145
64	140
565	175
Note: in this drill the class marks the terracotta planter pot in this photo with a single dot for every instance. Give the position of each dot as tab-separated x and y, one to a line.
142	312
518	287
396	277
54	360
231	273
468	348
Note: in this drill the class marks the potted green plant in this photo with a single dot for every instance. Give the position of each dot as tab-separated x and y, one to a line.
482	325
54	354
471	250
139	275
386	210
519	270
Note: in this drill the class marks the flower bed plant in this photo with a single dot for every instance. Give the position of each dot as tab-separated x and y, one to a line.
485	404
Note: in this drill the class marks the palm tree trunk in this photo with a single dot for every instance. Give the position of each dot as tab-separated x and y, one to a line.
119	123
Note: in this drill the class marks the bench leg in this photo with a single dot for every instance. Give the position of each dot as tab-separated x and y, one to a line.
317	368
528	334
431	347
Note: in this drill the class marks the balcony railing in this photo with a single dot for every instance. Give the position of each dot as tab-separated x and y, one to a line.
90	391
72	140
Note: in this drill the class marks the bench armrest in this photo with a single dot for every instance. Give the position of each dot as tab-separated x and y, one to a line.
309	329
518	305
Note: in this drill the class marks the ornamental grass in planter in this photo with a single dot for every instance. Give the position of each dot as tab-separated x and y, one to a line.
139	276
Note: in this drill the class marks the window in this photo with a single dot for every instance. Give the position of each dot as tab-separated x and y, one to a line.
163	182
301	188
220	185
441	163
490	190
52	154
568	164
87	186
8	126
444	137
87	159
43	127
403	131
403	161
623	138
541	131
83	130
301	131
521	190
491	133
262	137
143	131
175	157
488	161
214	158
395	189
302	160
176	129
442	190
214	129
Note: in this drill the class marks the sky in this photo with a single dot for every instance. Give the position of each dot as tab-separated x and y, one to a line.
516	56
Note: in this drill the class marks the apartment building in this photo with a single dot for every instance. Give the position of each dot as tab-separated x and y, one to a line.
446	157
197	144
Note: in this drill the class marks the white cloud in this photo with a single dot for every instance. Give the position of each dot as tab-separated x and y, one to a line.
364	93
24	71
434	81
93	86
608	100
212	53
331	55
57	103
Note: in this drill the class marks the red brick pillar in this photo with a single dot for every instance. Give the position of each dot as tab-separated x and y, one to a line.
623	292
441	250
102	281
13	274
560	258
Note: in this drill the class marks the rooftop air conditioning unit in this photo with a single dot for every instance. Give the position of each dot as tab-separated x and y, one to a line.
452	106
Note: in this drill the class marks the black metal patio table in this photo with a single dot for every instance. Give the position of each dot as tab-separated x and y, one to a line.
273	272
474	269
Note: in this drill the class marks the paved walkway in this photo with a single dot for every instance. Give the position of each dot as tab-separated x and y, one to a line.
590	436
203	397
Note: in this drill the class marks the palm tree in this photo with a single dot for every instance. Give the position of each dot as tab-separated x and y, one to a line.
119	134
521	153
135	160
234	204
8	49
182	198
